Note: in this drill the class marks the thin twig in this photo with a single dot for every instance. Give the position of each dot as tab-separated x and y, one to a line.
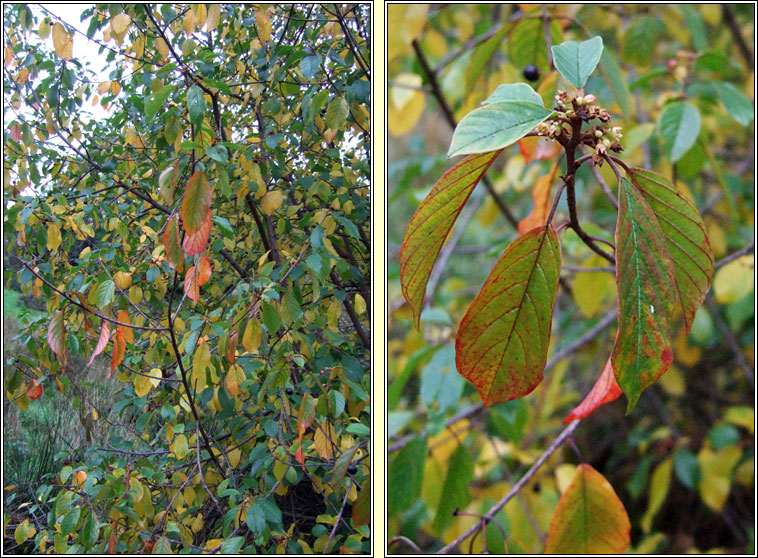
731	257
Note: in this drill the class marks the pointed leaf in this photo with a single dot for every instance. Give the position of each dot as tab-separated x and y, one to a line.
527	44
231	349
251	338
195	242
604	391
455	490
171	244
197	202
119	350
495	126
307	413
609	66
195	104
430	225
659	489
101	342
576	61
104	293
482	56
34	390
502	342
542	202
687	241
678	125
736	104
271	202
120	23
123	317
62	42
644	279
56	336
589	519
336	113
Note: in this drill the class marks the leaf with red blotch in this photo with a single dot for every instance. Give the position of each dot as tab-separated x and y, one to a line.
197	202
16	133
231	349
686	239
430	225
196	277
195	242
589	518
119	351
645	281
56	336
172	245
542	202
34	390
123	317
502	342
304	420
604	391
102	341
299	457
535	148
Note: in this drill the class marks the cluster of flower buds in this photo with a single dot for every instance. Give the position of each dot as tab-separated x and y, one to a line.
581	106
551	129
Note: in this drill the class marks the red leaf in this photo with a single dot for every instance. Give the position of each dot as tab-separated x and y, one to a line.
56	336
542	202
119	350
502	342
604	391
535	148
16	133
34	390
299	457
172	246
196	277
196	204
195	242
589	518
123	317
101	342
430	225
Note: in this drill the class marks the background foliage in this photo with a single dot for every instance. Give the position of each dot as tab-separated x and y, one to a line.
682	462
210	237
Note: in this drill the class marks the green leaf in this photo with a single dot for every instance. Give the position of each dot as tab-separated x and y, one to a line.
659	488
405	476
104	294
640	39
256	518
233	545
645	279
736	104
336	114
589	519
502	342
686	239
482	55
514	92
678	126
70	520
687	468
340	467
90	531
527	45
430	225
694	21
495	126
441	385
155	102
455	493
310	65
576	61
271	318
195	103
163	547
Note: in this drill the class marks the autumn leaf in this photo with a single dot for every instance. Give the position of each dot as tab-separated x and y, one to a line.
62	42
101	342
56	336
589	518
535	148
686	239
34	390
196	277
195	242
171	245
234	377
501	345
231	349
196	203
123	317
120	23
604	391
271	202
119	350
645	279
323	440
251	338
430	225
542	202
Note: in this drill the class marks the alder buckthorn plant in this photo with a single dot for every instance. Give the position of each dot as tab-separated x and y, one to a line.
610	230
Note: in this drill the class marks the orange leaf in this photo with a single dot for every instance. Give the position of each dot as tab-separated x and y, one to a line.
205	271
101	342
542	202
604	391
535	148
299	457
56	336
190	284
172	245
195	242
196	204
34	390
231	349
123	317
119	350
589	518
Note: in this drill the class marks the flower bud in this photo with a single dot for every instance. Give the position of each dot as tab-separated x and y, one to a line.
589	98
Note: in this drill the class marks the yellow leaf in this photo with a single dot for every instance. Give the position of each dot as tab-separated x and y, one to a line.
564	474
122	279
201	15
592	289
406	22
234	457
142	385
741	415
406	104
62	43
188	23
180	447
53	236
716	470
234	378
120	23
333	313
735	280
685	353
271	202
264	24
322	440
200	361
251	339
360	304
162	47
115	87
659	488
214	17
197	523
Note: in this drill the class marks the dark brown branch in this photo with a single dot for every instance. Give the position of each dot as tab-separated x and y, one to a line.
351	312
726	11
228	257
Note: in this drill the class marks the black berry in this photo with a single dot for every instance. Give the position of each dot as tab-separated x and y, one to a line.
531	72
352	469
290	391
